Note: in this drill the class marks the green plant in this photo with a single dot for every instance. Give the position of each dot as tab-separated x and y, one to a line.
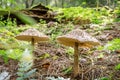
113	45
70	51
82	15
4	55
2	23
42	21
117	67
24	71
11	54
45	55
26	19
26	62
67	70
104	78
14	53
9	22
117	12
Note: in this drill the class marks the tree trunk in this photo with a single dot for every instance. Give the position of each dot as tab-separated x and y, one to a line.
97	4
62	3
1	3
29	3
76	68
32	2
55	3
26	4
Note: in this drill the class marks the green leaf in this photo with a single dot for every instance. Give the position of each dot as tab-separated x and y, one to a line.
113	45
29	73
117	67
20	78
20	74
67	70
24	18
104	78
3	12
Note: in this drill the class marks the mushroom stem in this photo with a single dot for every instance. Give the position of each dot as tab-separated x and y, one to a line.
32	41
76	61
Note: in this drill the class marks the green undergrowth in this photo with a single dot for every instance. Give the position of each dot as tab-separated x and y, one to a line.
117	11
88	15
10	47
113	45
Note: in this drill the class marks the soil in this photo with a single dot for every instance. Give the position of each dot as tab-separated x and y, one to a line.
59	63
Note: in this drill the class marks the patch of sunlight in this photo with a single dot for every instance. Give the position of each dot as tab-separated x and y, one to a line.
27	56
52	2
106	46
107	20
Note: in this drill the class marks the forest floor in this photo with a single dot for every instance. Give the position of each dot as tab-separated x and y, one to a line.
57	62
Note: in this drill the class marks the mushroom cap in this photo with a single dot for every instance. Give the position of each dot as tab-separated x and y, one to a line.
81	37
32	33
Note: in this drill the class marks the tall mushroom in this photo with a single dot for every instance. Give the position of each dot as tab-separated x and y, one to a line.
77	38
32	35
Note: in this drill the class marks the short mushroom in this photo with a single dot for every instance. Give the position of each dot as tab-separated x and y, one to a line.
32	35
77	38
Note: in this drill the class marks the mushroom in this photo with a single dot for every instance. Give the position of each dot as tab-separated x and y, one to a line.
77	38
32	35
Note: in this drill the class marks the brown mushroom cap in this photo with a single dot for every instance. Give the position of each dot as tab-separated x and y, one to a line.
79	36
32	33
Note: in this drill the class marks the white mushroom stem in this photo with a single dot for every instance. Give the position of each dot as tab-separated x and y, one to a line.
33	41
76	60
